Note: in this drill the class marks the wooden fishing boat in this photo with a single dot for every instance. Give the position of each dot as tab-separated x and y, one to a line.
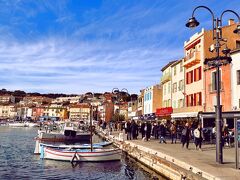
80	155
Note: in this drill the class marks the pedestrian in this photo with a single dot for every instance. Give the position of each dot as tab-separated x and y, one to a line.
185	136
173	131
128	130
142	129
162	132
154	130
133	129
198	137
148	130
226	135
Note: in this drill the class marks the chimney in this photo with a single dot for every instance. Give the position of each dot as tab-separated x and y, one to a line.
231	22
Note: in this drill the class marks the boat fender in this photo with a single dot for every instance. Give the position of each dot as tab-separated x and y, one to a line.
75	156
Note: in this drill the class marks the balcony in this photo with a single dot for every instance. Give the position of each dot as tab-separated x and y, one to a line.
166	77
192	59
212	88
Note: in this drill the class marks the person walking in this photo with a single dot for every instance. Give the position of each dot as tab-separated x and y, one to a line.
198	136
185	136
142	129
163	130
128	130
173	131
134	129
148	132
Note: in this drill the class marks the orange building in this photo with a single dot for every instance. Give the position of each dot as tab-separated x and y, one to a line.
225	73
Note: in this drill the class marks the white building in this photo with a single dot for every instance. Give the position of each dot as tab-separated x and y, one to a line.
152	99
74	99
177	80
166	82
235	79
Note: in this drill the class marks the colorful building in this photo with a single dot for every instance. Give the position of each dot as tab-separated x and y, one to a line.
152	101
235	78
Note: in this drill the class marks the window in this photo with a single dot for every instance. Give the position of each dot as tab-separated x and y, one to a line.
239	103
174	104
190	100
181	67
174	70
198	99
169	88
237	44
238	77
174	87
214	80
180	103
169	102
189	78
180	85
198	74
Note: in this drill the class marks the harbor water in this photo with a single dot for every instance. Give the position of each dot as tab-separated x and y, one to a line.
17	161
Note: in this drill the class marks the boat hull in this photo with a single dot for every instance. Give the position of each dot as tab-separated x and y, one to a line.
58	137
98	155
17	125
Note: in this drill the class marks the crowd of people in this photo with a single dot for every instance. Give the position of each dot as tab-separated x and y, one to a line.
168	130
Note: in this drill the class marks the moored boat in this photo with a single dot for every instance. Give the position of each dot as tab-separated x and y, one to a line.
80	155
67	133
64	146
17	124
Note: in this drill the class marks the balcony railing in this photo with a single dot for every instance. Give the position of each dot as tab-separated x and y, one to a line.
166	77
192	59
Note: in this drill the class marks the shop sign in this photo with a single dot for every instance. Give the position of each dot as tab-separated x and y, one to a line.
164	111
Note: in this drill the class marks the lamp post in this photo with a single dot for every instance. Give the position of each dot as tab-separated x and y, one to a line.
216	62
91	126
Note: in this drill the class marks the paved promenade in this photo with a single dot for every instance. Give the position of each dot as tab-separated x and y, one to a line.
203	160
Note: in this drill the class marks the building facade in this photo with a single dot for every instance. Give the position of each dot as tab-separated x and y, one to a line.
152	100
235	79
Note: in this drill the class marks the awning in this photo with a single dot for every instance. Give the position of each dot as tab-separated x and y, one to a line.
184	115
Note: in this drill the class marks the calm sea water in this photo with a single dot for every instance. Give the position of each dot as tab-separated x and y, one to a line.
17	161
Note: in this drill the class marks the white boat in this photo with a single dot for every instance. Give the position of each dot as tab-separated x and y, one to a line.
32	124
64	146
67	133
18	124
80	155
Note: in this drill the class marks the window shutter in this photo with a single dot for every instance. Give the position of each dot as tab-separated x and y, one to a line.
200	73
194	75
195	99
200	98
191	76
187	78
187	100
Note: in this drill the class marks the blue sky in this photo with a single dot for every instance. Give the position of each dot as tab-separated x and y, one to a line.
92	45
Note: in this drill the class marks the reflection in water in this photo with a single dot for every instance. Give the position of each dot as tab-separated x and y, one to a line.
18	162
129	172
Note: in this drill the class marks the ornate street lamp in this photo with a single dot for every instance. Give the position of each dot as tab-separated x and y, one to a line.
216	62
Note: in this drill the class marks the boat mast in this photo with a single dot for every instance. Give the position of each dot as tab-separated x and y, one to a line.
91	128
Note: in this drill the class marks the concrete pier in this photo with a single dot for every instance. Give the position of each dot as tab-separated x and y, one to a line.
175	162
